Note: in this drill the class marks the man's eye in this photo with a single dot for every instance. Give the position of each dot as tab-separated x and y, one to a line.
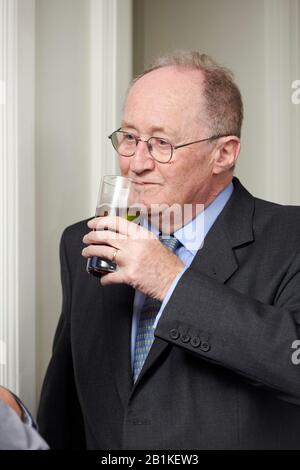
129	137
162	142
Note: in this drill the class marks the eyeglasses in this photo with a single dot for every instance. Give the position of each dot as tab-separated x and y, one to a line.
125	143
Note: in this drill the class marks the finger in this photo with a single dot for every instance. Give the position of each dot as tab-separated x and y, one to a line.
120	225
115	224
101	251
112	278
103	237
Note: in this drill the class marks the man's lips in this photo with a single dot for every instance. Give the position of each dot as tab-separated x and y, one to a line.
145	183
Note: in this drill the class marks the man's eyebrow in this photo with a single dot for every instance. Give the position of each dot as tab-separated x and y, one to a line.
127	124
153	129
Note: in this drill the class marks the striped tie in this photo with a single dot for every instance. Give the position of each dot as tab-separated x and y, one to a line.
145	332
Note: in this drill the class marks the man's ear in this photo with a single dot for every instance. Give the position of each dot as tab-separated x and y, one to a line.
225	154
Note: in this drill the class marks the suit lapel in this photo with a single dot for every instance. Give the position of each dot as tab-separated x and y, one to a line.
118	302
216	258
157	349
232	229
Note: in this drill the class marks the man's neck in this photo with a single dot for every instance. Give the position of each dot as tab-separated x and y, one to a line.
173	218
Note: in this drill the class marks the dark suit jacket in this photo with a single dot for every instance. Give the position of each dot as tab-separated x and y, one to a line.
219	374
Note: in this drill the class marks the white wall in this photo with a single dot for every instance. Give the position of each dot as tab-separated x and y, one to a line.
257	39
83	67
62	147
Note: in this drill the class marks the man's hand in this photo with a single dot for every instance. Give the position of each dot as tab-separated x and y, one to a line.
9	400
143	261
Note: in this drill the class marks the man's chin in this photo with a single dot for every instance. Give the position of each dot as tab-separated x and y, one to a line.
155	205
151	197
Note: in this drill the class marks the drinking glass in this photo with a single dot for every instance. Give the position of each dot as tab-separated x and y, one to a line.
115	198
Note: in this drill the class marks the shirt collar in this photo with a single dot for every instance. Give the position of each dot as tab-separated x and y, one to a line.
192	235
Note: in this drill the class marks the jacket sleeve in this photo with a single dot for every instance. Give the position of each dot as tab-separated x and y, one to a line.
225	327
59	416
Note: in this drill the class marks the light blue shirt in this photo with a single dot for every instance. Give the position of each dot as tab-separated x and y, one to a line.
191	241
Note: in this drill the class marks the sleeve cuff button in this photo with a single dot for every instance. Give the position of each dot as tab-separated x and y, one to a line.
205	347
195	342
174	333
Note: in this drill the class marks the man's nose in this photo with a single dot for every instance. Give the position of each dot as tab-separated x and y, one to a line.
141	160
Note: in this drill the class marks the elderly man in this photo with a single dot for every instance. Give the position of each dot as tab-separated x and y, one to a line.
211	366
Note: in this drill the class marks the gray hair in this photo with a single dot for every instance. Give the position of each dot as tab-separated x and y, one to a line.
223	101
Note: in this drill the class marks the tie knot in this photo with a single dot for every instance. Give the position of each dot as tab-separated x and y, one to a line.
170	242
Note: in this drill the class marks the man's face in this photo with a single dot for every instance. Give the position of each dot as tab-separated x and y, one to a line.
167	103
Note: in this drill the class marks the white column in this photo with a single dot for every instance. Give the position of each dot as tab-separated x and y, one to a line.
282	117
111	72
17	260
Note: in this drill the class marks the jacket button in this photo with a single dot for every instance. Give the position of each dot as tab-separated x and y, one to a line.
195	342
185	338
205	347
174	334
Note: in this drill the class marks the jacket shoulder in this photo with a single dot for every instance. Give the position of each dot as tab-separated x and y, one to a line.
278	212
278	225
